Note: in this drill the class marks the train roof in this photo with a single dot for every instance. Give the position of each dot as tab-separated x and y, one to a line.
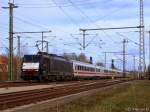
85	64
82	63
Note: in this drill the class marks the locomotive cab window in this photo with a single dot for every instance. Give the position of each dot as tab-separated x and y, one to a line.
31	58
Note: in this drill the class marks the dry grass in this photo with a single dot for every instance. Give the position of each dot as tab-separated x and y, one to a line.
119	99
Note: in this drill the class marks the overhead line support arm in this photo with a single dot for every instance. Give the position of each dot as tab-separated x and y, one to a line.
112	28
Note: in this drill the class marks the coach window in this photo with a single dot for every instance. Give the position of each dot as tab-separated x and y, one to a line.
91	69
86	68
78	67
82	68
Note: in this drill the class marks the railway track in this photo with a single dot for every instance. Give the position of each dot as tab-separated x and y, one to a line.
29	83
18	84
10	100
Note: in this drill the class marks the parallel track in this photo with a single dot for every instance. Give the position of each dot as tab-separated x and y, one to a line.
10	100
30	83
18	84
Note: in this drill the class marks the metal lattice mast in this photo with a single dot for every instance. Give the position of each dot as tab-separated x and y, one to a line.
141	40
10	56
19	58
149	48
124	57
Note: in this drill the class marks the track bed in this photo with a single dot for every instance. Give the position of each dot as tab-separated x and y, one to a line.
10	100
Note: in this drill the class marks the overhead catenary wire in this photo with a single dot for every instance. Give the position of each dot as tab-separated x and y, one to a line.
37	22
65	11
29	23
60	3
82	12
66	14
34	22
90	21
16	27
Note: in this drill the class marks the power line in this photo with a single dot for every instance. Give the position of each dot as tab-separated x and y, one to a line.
51	3
37	22
88	18
29	23
72	19
42	32
128	39
66	14
16	27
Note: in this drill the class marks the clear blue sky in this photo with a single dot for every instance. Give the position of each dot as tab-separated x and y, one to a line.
66	17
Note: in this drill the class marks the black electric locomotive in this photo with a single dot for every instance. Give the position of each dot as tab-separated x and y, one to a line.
45	66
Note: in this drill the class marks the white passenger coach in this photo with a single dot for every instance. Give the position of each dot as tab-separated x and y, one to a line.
82	69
